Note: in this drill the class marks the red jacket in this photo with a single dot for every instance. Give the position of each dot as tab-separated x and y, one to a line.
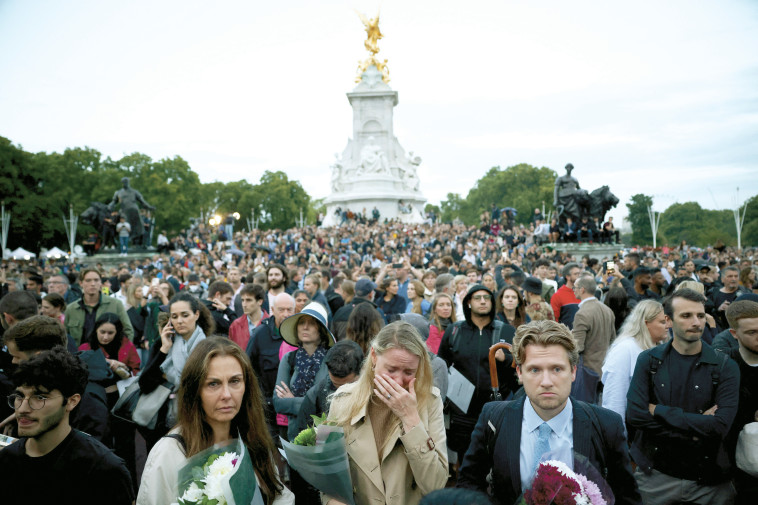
564	296
127	354
238	330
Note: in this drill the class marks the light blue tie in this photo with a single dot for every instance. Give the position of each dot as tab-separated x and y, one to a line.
543	444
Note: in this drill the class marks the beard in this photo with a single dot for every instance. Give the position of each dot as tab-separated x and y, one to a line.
275	283
687	336
44	425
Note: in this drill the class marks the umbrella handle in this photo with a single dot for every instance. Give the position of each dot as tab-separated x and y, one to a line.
493	362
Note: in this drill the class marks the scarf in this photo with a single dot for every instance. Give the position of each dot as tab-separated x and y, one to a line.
177	356
444	323
307	367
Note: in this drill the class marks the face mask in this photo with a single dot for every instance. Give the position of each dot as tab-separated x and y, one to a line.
194	288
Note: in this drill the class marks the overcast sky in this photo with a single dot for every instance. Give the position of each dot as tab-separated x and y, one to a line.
648	97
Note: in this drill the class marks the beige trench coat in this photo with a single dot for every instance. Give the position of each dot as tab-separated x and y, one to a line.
416	465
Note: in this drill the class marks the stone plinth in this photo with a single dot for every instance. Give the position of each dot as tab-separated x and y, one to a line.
597	251
373	169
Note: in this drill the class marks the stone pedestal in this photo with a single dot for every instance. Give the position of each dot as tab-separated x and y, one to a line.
578	250
374	170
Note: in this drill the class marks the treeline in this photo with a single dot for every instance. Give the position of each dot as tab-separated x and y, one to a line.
523	187
38	189
690	222
526	187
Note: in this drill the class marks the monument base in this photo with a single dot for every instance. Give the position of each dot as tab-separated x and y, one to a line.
112	258
388	207
384	192
578	250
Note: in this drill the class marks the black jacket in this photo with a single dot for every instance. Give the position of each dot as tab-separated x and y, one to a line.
468	352
92	415
598	435
223	319
340	318
679	440
263	350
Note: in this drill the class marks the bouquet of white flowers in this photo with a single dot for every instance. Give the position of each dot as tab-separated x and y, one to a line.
221	475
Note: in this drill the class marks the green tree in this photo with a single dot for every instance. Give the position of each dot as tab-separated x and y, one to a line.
750	226
278	200
639	219
451	207
523	187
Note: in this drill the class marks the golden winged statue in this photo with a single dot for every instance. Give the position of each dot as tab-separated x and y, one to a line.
373	34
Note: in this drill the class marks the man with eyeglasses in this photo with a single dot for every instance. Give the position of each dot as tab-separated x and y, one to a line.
465	346
37	334
51	462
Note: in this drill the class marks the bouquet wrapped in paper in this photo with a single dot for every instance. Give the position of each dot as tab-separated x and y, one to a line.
220	475
558	483
319	455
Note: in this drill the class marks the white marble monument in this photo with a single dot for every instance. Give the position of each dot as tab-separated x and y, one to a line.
374	170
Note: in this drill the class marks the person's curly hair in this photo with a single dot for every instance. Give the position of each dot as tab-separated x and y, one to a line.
53	369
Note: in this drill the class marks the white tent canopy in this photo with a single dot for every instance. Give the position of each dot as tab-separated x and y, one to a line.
22	254
54	253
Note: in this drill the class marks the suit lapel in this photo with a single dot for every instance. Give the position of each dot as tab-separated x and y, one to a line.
512	426
582	427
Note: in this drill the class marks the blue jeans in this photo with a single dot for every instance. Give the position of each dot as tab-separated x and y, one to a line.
124	244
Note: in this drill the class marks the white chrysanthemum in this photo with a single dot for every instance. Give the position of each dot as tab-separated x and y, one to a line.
213	489
193	493
223	465
562	467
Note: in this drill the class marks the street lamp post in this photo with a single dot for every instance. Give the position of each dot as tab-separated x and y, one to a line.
655	218
739	218
70	225
6	221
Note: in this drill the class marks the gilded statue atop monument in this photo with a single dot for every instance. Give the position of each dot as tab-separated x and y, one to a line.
373	34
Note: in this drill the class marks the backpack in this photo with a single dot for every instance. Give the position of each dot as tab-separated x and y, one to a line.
495	333
715	375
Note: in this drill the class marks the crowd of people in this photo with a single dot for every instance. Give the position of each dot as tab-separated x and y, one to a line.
367	323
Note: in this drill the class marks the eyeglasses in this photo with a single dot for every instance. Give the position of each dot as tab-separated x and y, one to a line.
481	297
36	402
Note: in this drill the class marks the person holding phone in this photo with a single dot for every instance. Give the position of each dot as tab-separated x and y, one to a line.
189	323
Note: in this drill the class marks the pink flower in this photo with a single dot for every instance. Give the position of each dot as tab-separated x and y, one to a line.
591	490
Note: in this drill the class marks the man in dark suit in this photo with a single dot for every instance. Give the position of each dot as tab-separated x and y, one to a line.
594	330
510	438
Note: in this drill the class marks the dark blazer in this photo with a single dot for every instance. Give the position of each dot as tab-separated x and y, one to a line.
603	442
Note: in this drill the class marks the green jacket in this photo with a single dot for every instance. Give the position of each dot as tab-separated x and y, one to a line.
75	316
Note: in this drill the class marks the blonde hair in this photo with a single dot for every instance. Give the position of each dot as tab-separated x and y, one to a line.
131	299
693	285
544	333
418	287
433	317
397	335
634	325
